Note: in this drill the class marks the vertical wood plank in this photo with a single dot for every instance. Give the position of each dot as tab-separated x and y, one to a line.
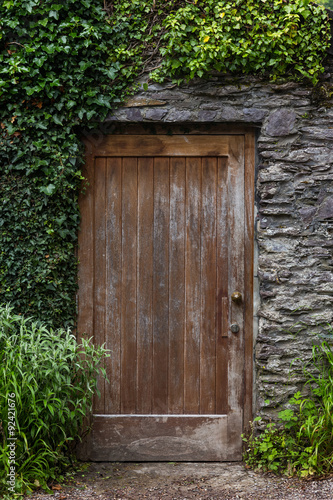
99	267
208	287
222	286
177	285
145	283
236	270
161	286
249	273
129	259
113	284
192	286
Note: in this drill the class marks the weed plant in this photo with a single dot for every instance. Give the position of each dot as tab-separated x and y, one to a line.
51	380
301	442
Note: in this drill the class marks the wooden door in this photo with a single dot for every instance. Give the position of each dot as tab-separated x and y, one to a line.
162	250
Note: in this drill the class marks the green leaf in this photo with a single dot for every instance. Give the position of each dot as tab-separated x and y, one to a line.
54	14
112	73
48	189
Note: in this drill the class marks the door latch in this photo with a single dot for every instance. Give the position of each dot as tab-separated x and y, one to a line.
234	328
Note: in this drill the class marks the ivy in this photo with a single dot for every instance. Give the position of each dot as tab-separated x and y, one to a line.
282	38
58	71
65	64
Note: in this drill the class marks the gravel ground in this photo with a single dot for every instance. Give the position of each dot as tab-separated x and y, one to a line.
182	481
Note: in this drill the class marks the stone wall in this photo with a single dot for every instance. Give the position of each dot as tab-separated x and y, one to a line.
294	193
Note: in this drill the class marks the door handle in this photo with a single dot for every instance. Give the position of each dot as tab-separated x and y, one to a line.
234	328
224	317
236	297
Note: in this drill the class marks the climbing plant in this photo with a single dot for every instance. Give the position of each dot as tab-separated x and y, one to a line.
65	63
327	3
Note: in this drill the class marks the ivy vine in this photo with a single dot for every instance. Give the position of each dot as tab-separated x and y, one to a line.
64	64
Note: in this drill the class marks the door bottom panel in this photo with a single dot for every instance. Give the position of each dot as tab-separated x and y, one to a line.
164	437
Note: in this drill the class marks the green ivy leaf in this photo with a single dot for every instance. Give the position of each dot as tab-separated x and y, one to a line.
48	189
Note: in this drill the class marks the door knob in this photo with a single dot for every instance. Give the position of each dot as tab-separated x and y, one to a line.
237	297
234	328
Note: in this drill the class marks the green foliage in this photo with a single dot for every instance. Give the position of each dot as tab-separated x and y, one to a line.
48	380
327	3
58	70
39	236
279	38
301	443
65	64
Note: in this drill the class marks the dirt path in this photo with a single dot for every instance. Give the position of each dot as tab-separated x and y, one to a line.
182	481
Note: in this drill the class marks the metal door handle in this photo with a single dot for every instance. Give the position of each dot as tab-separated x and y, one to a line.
237	297
234	328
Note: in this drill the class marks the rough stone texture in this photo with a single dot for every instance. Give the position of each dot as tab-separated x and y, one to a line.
281	122
155	114
294	193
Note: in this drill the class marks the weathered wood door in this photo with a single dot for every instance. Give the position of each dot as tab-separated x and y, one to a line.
162	249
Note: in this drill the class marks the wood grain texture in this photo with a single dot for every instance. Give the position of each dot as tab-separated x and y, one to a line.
176	285
113	282
248	275
192	286
236	271
161	438
163	145
222	345
224	317
129	259
178	233
161	286
208	290
145	284
100	267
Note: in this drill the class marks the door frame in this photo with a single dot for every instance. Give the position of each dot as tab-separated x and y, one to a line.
94	140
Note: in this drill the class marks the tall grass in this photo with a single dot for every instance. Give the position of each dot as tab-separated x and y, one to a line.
316	411
301	443
50	380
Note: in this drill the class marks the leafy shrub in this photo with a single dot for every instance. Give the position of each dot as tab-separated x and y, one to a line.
47	382
276	38
327	3
301	443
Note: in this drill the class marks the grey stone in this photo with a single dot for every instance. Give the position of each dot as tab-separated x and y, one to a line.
307	213
266	351
170	95
230	114
180	116
255	114
134	115
206	116
156	114
215	105
325	210
319	132
222	90
284	86
280	122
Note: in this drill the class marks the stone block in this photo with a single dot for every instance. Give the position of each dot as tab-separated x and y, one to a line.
280	122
